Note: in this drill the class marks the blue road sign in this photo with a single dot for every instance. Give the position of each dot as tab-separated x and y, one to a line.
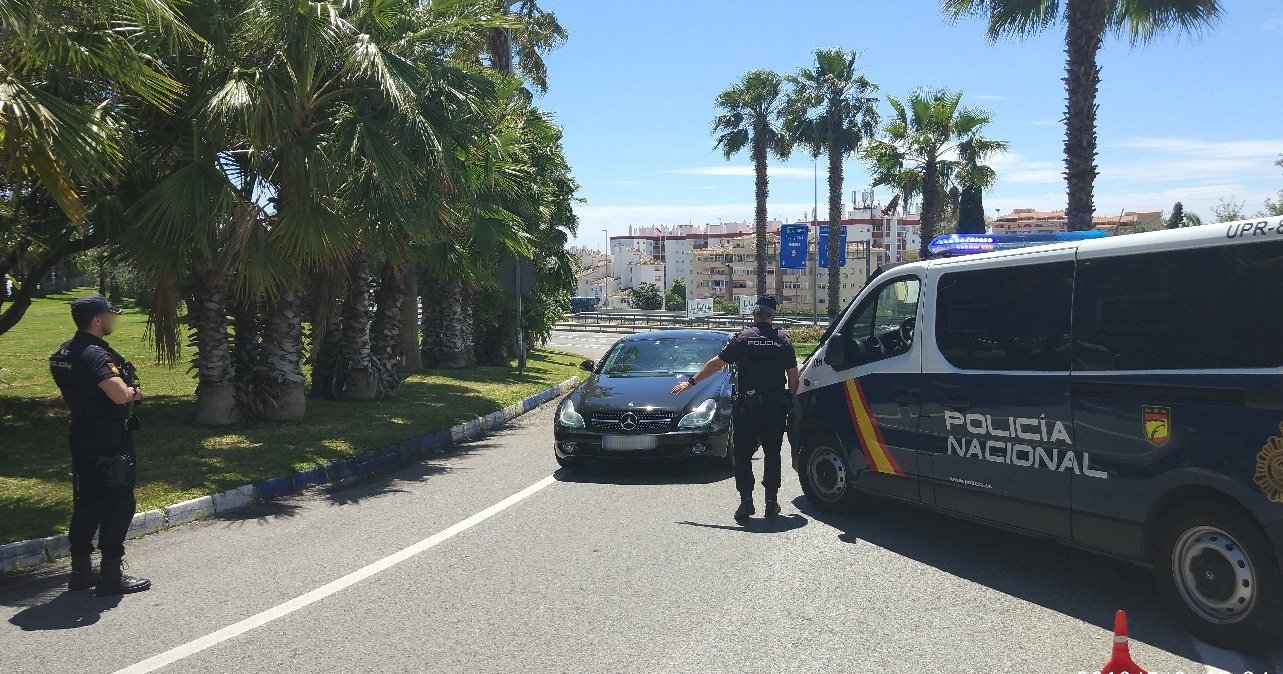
824	247
793	239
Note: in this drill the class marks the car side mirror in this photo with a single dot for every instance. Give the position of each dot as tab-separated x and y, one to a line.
835	350
587	365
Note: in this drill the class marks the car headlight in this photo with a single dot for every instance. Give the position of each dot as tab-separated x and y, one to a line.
569	417
702	415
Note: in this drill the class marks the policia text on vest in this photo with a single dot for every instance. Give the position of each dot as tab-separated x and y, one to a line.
101	389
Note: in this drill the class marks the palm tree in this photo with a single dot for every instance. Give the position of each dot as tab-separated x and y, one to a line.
1086	24
750	119
921	147
533	32
71	74
832	110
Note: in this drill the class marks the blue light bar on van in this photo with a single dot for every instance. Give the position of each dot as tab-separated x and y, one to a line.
966	244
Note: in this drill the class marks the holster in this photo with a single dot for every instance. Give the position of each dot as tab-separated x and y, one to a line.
116	471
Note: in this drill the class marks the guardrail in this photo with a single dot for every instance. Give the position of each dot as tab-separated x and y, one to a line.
670	318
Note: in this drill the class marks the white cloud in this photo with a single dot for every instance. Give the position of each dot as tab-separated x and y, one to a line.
1016	168
743	171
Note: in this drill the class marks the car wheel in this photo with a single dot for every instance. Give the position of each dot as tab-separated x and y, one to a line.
826	475
1214	568
571	461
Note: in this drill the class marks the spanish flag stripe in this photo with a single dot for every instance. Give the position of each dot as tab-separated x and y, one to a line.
868	437
877	430
852	403
869	433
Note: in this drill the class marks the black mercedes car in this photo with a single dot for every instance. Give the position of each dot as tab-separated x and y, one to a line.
626	407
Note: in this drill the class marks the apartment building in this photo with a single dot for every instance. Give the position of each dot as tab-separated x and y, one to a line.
730	270
1030	221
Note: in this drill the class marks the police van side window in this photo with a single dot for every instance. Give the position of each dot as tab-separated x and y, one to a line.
1207	308
1006	318
880	327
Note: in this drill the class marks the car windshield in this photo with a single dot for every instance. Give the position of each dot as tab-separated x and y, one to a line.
661	356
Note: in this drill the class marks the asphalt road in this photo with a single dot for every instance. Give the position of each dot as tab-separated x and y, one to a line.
491	560
591	344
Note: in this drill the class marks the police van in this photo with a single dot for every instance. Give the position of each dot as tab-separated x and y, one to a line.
1121	394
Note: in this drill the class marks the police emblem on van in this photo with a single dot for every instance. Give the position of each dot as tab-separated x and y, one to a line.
1157	424
1269	468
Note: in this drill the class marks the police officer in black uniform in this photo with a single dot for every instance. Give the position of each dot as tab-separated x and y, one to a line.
767	382
95	383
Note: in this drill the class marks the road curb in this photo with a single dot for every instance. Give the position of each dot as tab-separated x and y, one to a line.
24	555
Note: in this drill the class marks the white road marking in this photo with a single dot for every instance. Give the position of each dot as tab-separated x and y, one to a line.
231	631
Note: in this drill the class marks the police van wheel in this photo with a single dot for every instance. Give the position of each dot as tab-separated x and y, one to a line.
825	474
1215	569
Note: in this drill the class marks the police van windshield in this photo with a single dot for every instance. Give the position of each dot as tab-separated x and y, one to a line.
660	356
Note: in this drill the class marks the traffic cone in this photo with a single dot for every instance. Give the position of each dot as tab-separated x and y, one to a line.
1121	661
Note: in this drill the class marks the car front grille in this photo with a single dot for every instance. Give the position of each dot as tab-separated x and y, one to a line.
639	421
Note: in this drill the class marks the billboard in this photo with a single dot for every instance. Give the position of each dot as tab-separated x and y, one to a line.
793	241
699	308
824	247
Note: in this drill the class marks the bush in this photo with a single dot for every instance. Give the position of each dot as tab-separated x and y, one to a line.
807	335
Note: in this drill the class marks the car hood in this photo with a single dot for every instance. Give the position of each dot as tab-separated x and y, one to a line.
603	392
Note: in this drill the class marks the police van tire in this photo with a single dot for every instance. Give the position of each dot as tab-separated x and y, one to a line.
1229	546
824	470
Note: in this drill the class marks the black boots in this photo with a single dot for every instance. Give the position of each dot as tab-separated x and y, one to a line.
772	504
114	581
83	575
746	507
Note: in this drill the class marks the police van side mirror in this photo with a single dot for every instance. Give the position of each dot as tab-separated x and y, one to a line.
835	351
587	365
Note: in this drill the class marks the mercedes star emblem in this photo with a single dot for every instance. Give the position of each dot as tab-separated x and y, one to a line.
628	422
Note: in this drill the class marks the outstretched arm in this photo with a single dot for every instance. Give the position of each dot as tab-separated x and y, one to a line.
713	365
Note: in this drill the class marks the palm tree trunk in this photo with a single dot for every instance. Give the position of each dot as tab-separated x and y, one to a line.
411	358
500	47
431	303
246	354
761	189
282	388
215	369
930	204
354	373
1083	37
385	332
457	329
835	218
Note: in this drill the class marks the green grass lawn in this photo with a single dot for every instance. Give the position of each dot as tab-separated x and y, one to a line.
180	460
805	350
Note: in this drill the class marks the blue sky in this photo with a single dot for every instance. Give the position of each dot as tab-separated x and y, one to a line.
1195	119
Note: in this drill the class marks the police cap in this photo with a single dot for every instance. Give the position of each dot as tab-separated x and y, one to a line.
84	309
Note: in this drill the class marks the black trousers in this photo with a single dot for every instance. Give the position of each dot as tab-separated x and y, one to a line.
102	462
759	421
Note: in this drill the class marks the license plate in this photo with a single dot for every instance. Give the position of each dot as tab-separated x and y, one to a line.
629	442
